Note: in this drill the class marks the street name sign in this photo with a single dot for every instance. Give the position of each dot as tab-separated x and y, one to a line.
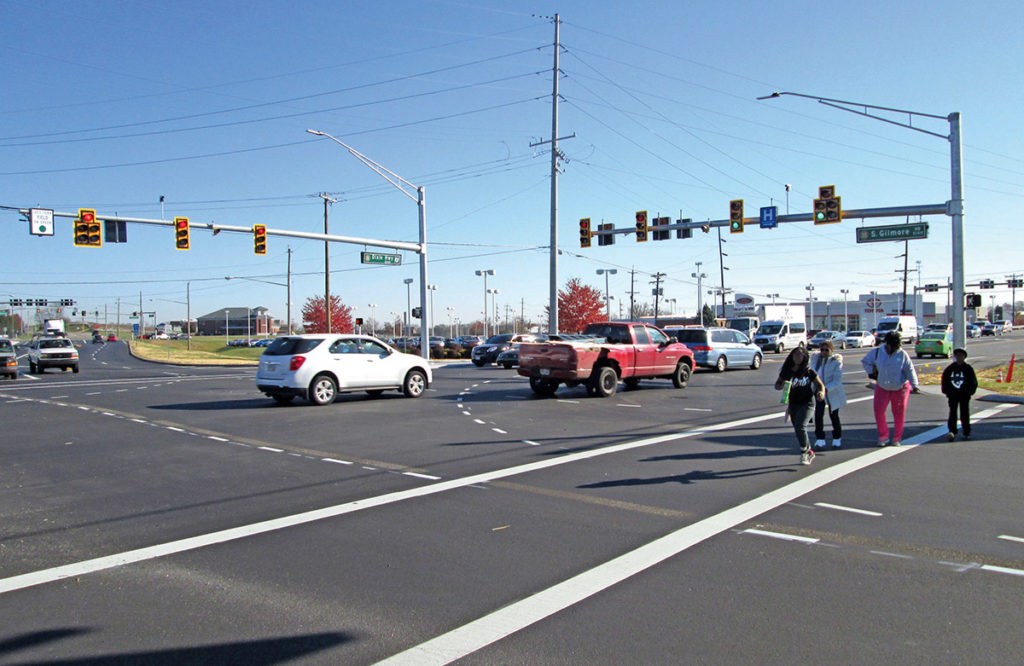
895	232
381	258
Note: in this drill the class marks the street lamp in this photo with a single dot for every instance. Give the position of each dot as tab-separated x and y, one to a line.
846	312
451	311
373	322
810	301
673	301
485	273
408	305
432	288
420	199
494	304
700	304
607	300
395	317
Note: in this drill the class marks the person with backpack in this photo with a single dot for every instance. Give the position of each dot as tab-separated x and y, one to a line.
829	367
959	383
895	379
804	387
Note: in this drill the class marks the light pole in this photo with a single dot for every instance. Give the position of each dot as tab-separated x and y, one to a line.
673	301
432	288
451	311
874	307
700	302
810	301
485	273
607	300
773	297
494	306
846	311
373	322
955	205
395	318
420	199
408	305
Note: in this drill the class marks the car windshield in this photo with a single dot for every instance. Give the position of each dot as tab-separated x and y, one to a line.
887	326
290	346
855	334
769	329
6	346
55	343
499	339
933	336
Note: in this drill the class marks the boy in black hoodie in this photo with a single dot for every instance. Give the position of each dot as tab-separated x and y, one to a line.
958	384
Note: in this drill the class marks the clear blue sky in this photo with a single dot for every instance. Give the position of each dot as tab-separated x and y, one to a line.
109	105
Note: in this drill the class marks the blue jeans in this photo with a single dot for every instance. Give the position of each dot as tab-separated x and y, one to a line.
801	414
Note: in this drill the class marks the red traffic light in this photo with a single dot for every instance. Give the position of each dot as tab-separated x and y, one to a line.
87	229
585	234
259	238
181	233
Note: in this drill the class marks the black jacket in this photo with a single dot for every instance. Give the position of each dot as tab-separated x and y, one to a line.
959	381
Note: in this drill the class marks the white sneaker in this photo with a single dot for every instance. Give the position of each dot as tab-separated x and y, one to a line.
819	444
837	443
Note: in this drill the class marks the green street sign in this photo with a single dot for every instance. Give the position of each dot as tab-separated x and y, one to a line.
895	232
381	258
4	313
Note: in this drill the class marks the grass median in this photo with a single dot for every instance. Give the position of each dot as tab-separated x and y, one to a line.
931	373
204	351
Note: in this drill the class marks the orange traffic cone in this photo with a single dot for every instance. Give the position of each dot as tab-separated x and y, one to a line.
999	375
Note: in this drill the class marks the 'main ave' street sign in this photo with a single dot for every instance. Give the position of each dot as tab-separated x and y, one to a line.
895	232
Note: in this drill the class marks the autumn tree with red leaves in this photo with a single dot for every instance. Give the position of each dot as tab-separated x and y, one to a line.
314	316
579	305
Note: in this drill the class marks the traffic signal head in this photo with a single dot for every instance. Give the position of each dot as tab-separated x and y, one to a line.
736	216
828	208
417	312
181	241
607	238
87	229
359	321
826	192
585	232
259	238
641	226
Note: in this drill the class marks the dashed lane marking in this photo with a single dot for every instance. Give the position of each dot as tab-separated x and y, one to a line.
780	535
1007	537
837	507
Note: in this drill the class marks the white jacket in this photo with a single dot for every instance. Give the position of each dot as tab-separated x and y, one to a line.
831	373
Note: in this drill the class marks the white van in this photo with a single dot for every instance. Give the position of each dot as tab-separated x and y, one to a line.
781	335
905	325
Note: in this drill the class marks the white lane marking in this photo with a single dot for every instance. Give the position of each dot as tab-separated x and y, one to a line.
570	402
623	404
467	413
780	535
479	633
216	439
422	476
1005	570
499	431
696	409
1011	538
488	629
95	393
479	421
269	448
837	507
526	441
175	429
57	397
335	460
138	420
882	552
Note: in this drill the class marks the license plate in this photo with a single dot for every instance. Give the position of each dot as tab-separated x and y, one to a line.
545	372
270	367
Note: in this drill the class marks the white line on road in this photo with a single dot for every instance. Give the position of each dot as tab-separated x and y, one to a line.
1011	538
780	535
625	404
882	552
695	409
1006	570
175	429
570	402
335	460
499	431
526	441
422	476
479	421
216	439
269	448
837	507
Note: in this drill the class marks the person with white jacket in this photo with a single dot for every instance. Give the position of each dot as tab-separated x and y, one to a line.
829	367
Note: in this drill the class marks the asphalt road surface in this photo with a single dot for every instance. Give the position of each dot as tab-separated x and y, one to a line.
154	513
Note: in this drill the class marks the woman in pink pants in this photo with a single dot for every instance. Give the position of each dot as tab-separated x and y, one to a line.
896	379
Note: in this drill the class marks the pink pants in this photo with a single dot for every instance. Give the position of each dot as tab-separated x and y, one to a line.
898	398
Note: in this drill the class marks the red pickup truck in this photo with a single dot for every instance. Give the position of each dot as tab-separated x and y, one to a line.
615	351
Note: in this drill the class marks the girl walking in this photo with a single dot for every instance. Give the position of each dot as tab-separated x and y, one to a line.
829	367
805	386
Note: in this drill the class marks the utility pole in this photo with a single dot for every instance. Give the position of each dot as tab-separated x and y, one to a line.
327	265
1013	298
721	267
632	294
288	305
657	293
700	298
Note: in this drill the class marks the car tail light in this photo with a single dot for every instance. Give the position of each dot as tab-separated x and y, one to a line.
296	363
11	362
700	348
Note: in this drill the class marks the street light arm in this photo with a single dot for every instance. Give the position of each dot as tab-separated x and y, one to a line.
381	170
844	105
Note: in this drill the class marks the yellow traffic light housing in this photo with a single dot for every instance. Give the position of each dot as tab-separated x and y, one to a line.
736	216
641	226
828	208
585	233
181	229
259	238
87	229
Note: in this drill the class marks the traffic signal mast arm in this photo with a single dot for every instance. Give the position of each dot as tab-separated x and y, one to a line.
217	228
863	213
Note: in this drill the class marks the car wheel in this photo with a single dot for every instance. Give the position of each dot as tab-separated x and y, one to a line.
415	384
842	345
681	376
34	369
283	399
545	387
721	365
478	363
605	382
756	363
631	384
375	393
781	348
322	390
507	366
74	369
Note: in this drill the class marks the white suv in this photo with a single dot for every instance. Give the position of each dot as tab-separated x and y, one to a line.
52	352
318	367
